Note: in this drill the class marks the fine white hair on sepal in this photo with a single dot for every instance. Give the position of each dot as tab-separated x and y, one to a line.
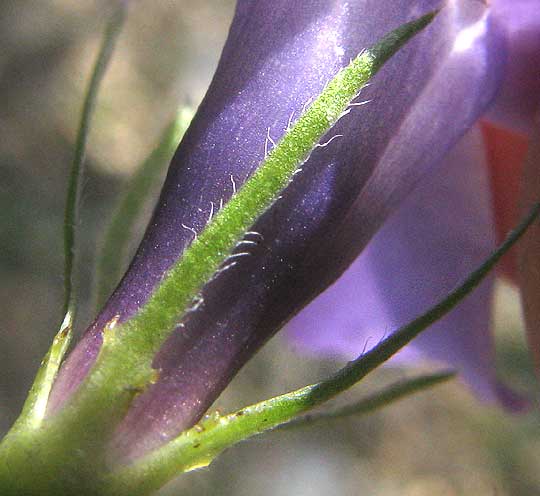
307	104
359	104
190	229
323	145
238	255
268	140
290	121
254	233
211	213
197	303
246	242
344	113
223	269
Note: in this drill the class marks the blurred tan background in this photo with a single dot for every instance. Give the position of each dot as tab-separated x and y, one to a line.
442	442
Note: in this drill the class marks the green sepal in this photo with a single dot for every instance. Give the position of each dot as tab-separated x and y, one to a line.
35	405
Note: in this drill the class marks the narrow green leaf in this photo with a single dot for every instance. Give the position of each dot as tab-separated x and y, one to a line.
375	401
72	213
199	446
119	233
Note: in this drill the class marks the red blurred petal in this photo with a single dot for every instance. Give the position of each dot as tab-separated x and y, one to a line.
529	252
505	154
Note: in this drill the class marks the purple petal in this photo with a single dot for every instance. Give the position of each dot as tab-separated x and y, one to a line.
279	55
518	104
441	232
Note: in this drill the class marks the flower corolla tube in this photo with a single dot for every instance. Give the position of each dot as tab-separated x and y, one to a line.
405	131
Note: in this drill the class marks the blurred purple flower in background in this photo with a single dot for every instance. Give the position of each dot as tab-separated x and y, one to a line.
278	56
443	230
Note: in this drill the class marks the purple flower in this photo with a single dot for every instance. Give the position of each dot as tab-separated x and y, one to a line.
278	56
448	224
